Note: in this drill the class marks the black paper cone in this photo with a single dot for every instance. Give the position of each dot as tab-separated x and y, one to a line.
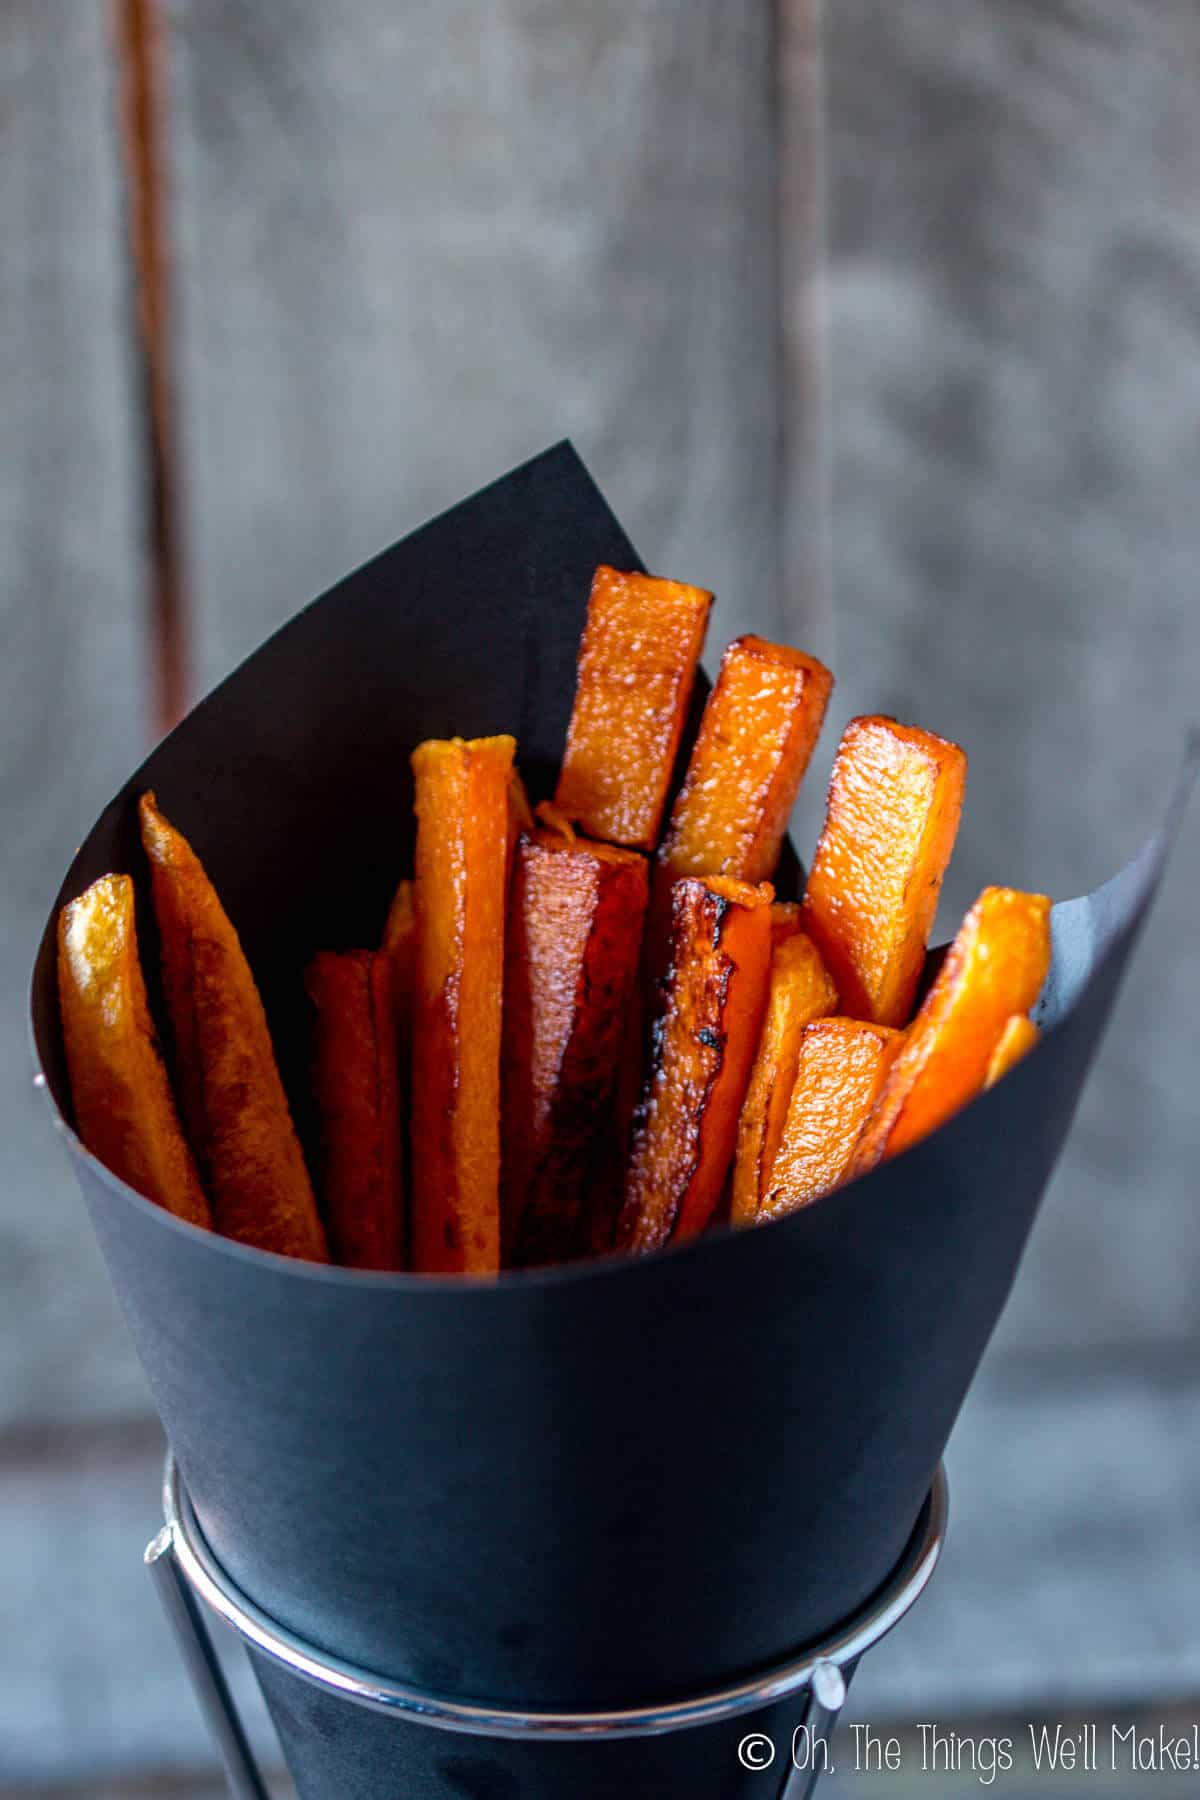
335	1748
592	1486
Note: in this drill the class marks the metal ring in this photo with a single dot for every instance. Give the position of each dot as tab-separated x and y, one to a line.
850	1641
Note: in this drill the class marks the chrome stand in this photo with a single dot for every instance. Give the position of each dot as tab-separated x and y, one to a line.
186	1574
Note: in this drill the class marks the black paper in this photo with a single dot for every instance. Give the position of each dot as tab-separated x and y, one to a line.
340	1752
598	1485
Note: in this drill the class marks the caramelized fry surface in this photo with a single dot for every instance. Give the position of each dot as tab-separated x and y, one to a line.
637	664
800	991
356	1079
462	801
233	1103
756	736
704	1041
895	798
573	940
994	968
840	1068
124	1108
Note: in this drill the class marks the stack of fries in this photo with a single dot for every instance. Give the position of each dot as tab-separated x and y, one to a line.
579	1032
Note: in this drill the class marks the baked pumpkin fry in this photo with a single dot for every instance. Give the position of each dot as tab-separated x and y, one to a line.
520	818
572	945
841	1065
895	798
787	918
462	801
637	665
232	1100
756	736
1017	1039
994	968
714	993
400	947
800	991
124	1108
357	1086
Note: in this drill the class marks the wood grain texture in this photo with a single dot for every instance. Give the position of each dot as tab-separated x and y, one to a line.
139	55
1014	298
415	251
72	719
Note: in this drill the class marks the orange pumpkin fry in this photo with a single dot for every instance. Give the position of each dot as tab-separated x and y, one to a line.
462	801
520	818
232	1100
894	803
573	940
520	813
400	947
994	968
840	1067
1016	1040
551	819
800	991
401	923
637	664
713	999
124	1108
756	736
357	1086
787	918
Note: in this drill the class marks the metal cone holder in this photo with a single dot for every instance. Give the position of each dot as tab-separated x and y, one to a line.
190	1581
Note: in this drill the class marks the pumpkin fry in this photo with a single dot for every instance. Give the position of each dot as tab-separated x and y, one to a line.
756	736
357	1086
757	733
994	968
713	999
573	940
232	1100
124	1108
400	947
895	798
841	1065
1016	1040
637	664
800	991
462	801
551	819
787	918
520	819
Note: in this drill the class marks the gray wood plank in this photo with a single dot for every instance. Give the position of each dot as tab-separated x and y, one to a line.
1069	1577
72	721
415	251
1014	295
92	1686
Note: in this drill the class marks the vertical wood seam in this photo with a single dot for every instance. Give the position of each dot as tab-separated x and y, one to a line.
140	48
803	355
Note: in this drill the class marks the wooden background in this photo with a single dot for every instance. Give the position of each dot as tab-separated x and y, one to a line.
413	245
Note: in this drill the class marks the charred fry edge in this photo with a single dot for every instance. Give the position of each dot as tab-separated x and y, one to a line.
686	1123
546	1185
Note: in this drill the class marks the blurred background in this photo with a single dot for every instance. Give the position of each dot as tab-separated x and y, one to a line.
280	281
